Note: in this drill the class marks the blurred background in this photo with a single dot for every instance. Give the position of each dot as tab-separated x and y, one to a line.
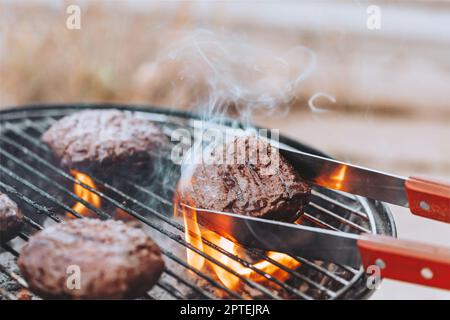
365	81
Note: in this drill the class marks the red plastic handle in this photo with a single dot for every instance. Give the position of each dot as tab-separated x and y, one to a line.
430	199
408	261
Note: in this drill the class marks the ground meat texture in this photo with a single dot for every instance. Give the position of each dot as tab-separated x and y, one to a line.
105	139
257	182
114	261
11	219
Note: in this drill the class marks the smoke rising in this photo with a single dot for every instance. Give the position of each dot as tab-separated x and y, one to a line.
230	75
313	105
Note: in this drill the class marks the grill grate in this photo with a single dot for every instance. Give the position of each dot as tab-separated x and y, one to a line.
29	175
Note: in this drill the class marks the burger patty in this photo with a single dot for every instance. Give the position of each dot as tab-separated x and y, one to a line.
11	219
109	258
247	176
105	139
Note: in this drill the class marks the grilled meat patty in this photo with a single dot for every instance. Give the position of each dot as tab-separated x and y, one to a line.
112	260
247	176
11	219
104	139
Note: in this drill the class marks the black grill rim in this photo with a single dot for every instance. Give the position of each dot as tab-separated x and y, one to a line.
384	220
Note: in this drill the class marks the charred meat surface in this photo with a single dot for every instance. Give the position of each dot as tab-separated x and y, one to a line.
11	219
104	139
247	176
113	261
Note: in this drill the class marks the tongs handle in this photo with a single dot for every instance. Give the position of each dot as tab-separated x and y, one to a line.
427	198
407	260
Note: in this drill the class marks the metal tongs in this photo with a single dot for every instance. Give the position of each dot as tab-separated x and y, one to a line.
403	260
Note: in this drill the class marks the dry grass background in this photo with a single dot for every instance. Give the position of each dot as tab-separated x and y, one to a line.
110	58
44	61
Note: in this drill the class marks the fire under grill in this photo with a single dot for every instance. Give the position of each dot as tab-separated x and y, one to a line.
45	192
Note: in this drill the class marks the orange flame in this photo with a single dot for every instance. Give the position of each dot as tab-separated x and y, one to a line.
335	180
24	294
84	194
194	235
339	176
191	225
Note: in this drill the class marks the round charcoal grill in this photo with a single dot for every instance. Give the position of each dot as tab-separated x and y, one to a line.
31	176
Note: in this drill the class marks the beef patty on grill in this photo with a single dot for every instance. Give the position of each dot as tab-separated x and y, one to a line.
104	139
247	176
112	260
11	219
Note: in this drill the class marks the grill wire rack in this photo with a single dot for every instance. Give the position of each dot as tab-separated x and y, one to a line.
44	191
